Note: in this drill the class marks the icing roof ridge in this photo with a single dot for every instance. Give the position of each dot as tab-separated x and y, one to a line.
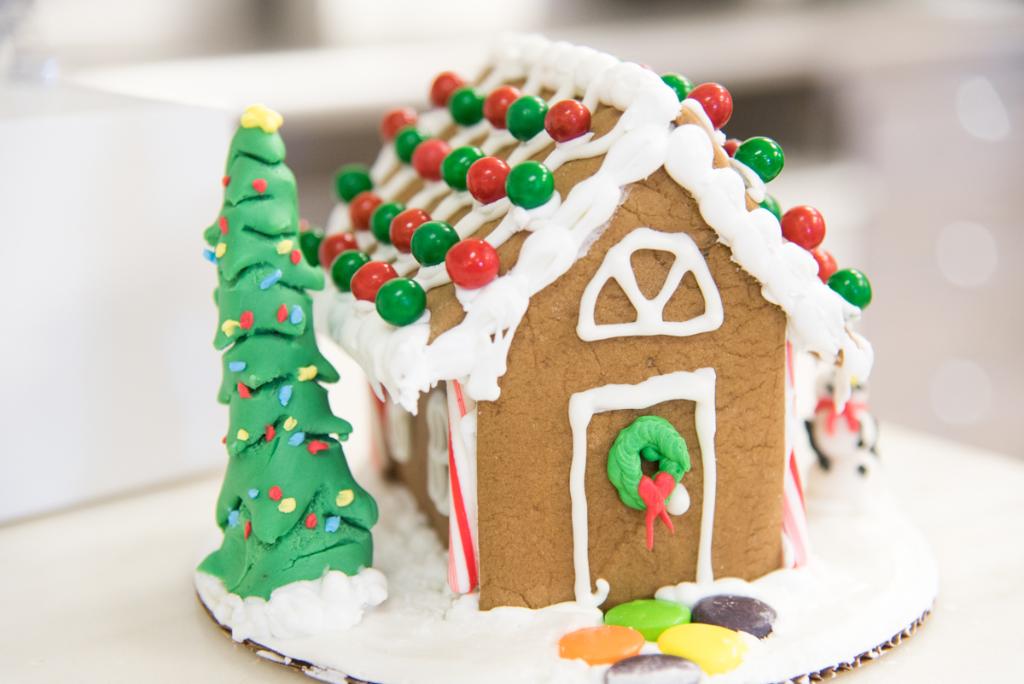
645	139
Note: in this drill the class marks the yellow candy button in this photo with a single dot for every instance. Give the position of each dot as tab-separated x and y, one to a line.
307	373
716	649
222	248
243	435
290	423
284	246
345	497
229	327
286	505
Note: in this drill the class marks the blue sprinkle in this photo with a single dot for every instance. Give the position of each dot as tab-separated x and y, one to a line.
267	282
284	395
236	366
332	523
210	256
296	316
253	493
233	518
297	438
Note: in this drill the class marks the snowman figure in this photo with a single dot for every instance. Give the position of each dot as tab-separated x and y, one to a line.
845	443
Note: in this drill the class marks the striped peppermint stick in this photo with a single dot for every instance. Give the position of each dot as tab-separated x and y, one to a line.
462	550
794	512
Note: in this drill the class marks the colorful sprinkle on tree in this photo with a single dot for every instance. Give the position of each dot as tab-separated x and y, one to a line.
282	437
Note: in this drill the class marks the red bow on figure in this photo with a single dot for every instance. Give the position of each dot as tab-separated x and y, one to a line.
654	493
849	414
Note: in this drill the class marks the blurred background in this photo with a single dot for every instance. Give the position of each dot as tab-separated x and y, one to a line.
901	121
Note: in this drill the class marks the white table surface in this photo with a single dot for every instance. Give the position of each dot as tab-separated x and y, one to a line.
104	594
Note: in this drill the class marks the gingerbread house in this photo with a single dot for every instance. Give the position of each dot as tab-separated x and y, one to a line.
613	263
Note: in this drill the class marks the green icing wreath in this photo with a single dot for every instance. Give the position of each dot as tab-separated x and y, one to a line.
649	438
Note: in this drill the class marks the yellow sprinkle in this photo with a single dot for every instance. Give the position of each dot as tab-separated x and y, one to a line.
286	505
243	435
261	116
229	327
345	497
307	373
284	246
290	423
222	247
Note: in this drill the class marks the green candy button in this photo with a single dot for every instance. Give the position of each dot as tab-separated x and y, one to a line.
650	617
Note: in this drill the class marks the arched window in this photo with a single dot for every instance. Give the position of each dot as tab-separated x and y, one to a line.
650	312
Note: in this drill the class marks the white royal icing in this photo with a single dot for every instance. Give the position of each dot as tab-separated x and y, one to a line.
335	601
437	451
650	319
397	432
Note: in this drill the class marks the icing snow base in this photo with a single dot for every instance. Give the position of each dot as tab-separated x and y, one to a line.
334	602
871	577
644	140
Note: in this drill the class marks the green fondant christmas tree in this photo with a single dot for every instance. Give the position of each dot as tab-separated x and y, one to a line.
289	507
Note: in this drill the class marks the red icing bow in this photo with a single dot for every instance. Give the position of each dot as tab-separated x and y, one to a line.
654	493
849	413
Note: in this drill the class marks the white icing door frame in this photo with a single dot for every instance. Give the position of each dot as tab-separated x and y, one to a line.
697	386
650	313
437	451
397	431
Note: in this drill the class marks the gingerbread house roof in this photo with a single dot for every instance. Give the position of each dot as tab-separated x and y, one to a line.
640	127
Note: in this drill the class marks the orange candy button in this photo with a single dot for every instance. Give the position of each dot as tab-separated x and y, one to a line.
601	645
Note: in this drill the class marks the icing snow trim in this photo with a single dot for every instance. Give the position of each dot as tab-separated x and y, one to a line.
335	601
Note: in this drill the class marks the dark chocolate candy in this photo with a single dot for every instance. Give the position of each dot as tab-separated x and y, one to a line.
740	613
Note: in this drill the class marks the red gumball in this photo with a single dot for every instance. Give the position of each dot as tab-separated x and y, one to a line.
826	263
730	146
404	225
566	120
427	158
804	225
395	120
445	83
472	263
497	104
368	279
716	101
485	179
361	207
333	245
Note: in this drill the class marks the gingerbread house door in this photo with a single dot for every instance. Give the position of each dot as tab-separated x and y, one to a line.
692	385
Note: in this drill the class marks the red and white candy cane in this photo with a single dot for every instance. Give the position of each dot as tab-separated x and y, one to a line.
794	511
462	550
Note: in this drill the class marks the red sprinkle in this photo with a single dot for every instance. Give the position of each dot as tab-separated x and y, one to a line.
311	520
274	493
224	439
248	529
244	391
260	185
282	313
269	433
245	320
316	446
296	256
223	225
225	180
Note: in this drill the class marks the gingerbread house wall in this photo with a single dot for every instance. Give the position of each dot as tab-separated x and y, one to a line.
524	447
